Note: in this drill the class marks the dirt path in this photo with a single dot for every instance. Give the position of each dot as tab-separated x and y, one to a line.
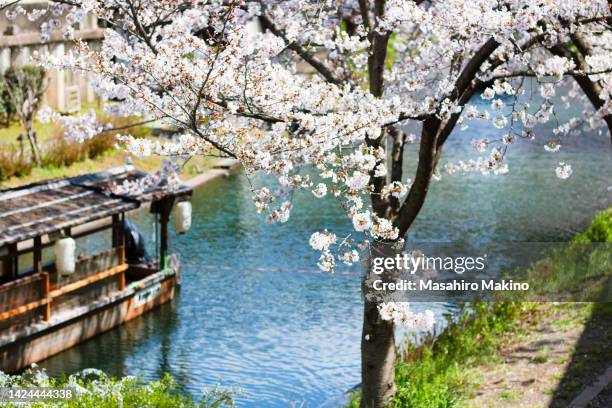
550	366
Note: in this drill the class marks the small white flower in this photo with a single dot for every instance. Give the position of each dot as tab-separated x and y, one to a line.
320	191
480	145
424	321
383	228
362	221
547	90
509	139
564	171
395	189
386	310
496	155
500	121
357	203
488	93
498	104
381	170
326	262
552	146
358	181
350	257
529	121
320	241
528	134
501	169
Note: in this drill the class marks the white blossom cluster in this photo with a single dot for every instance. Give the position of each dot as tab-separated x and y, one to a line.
166	177
59	18
401	315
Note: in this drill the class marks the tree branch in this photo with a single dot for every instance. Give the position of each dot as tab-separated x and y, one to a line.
590	88
428	153
364	9
319	66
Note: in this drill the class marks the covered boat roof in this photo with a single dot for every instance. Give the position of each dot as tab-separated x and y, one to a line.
48	207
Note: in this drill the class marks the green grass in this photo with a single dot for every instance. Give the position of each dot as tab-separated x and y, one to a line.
436	375
541	359
509	395
44	132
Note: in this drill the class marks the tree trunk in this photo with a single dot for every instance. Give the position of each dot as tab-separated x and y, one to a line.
377	358
33	146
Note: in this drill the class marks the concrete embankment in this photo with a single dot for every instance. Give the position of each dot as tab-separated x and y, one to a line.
223	167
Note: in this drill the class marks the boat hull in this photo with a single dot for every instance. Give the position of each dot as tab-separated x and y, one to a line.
45	340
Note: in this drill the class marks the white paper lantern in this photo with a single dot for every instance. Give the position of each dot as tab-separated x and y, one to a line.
65	260
182	217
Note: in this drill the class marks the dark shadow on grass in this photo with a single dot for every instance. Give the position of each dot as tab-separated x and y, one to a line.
592	356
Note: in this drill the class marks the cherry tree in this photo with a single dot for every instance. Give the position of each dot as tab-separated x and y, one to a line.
291	86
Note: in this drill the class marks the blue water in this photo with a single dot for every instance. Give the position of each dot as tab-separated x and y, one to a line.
254	313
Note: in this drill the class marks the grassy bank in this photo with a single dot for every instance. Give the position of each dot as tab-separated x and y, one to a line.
64	159
434	373
454	369
108	159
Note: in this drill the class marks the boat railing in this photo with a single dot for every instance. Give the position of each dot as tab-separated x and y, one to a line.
94	277
34	297
87	266
24	300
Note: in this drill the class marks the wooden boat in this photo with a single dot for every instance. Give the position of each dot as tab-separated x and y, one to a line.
43	311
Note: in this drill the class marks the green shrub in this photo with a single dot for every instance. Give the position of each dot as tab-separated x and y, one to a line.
61	152
25	87
94	389
100	144
13	163
600	229
7	109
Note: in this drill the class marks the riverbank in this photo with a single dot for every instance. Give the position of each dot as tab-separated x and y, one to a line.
69	163
197	172
113	158
515	354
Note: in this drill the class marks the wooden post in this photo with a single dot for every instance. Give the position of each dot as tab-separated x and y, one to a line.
46	290
163	207
118	245
115	230
37	252
122	240
163	241
7	264
12	264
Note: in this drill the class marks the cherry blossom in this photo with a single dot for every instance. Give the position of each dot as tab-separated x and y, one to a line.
564	170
